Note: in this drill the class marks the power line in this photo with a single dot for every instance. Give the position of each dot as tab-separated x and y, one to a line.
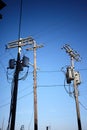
42	86
49	71
82	105
83	69
19	93
4	105
30	121
55	71
17	99
49	86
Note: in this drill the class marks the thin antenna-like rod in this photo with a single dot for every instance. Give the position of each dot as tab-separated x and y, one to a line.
20	19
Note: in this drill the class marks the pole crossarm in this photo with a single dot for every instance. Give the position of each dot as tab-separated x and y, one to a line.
32	48
19	43
39	46
71	52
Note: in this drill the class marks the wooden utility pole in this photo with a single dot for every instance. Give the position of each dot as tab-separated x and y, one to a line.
73	75
35	89
75	85
34	48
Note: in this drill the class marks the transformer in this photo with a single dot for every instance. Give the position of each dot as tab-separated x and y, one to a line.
25	61
69	74
77	78
12	63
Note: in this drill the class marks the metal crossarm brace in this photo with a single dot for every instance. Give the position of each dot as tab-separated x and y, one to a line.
20	42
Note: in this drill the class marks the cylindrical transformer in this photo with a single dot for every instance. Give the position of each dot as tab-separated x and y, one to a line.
25	61
11	63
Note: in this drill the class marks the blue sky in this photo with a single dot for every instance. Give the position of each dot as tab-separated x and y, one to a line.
52	23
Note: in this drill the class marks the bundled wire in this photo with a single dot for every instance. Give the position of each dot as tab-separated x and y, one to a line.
25	75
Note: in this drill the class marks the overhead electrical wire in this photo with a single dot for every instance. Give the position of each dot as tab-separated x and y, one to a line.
71	94
68	90
25	75
19	92
54	71
49	86
82	105
48	71
4	105
17	99
53	85
39	86
30	121
49	29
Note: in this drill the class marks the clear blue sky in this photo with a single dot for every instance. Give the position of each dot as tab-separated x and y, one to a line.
53	23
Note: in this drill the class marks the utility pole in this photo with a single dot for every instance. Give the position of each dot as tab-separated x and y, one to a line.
73	75
76	96
11	125
15	91
19	66
34	48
